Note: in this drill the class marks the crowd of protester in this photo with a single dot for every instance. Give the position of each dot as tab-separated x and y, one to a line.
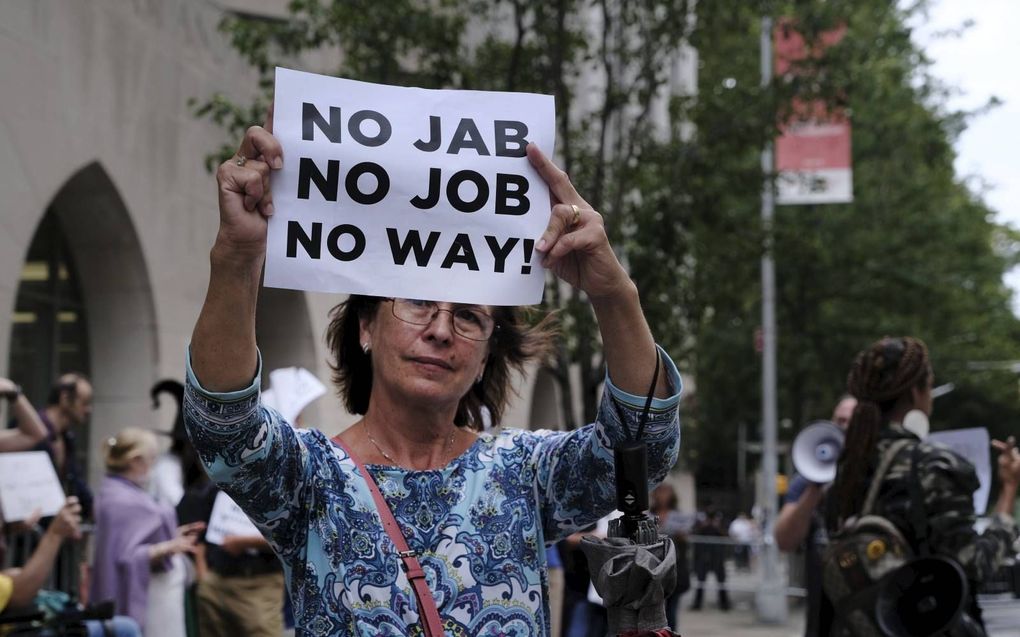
147	548
149	555
138	542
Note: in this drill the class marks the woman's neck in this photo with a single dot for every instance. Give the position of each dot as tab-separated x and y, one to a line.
411	436
133	478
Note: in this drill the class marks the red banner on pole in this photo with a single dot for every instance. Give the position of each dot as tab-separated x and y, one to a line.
813	149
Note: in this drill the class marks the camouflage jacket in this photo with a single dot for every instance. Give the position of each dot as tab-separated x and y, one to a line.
947	484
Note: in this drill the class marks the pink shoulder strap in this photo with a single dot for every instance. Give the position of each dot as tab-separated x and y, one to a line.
427	610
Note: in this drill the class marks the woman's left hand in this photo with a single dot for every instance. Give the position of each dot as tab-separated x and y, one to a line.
575	245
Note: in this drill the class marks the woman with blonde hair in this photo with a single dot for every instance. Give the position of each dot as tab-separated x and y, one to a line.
137	542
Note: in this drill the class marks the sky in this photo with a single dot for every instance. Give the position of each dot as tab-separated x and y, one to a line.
980	64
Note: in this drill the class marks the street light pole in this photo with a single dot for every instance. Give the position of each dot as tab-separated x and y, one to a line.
771	595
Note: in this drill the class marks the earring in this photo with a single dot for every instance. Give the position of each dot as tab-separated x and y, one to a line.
479	379
365	347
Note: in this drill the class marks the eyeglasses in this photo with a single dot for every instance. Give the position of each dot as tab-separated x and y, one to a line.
469	321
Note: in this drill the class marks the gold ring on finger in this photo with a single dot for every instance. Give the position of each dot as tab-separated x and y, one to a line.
577	215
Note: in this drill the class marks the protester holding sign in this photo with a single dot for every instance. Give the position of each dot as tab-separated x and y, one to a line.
475	509
242	589
138	544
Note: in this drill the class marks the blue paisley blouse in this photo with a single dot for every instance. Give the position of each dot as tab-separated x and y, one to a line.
480	526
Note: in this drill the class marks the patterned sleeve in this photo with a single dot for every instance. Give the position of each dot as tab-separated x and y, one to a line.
574	470
251	453
948	482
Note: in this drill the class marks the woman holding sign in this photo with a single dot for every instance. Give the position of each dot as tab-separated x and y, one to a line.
475	510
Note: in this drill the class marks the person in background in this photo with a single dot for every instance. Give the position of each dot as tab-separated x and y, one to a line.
800	524
674	524
743	532
556	590
241	591
179	481
178	470
710	557
891	378
19	586
29	430
67	409
138	544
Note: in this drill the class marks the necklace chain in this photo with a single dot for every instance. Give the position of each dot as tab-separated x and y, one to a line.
446	453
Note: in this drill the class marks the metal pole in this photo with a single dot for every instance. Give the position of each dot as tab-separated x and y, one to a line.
771	599
742	462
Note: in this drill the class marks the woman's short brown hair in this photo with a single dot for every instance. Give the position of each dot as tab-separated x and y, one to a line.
514	343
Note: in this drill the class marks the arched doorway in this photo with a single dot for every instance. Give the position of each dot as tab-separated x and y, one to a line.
283	329
49	332
84	303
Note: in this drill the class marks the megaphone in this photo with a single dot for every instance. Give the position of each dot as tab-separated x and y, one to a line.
925	596
816	451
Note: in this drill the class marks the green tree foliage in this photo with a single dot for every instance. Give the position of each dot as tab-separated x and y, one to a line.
915	253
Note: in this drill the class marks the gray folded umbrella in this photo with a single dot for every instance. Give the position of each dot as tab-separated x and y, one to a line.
634	580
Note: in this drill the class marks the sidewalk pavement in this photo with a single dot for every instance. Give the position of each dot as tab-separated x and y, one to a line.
739	621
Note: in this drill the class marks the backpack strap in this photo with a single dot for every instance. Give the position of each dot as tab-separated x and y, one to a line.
883	469
428	613
918	519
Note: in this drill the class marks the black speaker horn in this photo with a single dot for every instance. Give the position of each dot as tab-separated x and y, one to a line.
925	596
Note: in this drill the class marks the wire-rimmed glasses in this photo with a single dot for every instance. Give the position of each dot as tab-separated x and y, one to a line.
469	321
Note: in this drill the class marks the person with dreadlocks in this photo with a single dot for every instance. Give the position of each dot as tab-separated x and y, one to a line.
892	381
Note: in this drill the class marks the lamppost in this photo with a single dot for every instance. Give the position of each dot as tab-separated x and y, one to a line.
771	596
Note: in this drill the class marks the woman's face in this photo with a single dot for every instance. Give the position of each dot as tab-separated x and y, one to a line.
141	467
429	364
661	497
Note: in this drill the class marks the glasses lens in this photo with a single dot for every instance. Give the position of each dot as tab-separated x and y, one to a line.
473	323
414	310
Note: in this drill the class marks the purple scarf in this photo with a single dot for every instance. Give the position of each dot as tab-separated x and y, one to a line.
128	522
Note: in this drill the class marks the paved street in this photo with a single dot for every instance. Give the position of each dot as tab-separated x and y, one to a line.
741	619
1001	614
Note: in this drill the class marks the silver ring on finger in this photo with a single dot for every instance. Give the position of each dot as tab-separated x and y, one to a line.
577	215
240	159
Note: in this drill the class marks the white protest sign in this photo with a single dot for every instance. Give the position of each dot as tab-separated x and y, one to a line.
228	519
973	444
291	390
408	192
28	482
268	399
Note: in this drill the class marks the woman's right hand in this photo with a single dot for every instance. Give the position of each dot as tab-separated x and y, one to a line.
245	200
185	541
1009	461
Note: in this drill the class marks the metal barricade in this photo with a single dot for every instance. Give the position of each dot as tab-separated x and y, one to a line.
66	573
